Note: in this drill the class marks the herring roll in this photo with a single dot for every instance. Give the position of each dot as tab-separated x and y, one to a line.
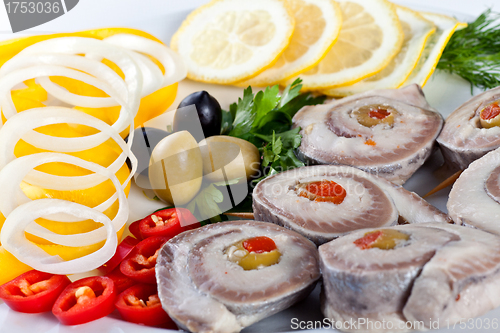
385	132
428	275
472	130
369	273
226	276
474	199
323	202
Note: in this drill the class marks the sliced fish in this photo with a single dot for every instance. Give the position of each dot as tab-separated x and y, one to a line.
440	275
370	202
463	139
475	197
461	281
374	283
333	134
203	291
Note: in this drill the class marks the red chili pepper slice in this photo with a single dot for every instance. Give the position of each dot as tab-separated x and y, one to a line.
140	304
33	291
121	281
168	223
134	230
140	264
259	244
85	300
124	248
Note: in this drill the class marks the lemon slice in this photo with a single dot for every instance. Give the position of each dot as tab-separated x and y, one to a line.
445	27
370	37
231	40
416	32
317	26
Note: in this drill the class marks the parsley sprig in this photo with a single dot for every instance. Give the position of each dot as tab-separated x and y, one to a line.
265	120
474	52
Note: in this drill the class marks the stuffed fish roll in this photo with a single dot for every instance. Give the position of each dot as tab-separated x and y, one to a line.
323	202
472	130
226	276
389	133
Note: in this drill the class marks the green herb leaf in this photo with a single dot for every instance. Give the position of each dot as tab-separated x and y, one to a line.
474	52
206	202
227	122
264	102
291	92
265	121
244	114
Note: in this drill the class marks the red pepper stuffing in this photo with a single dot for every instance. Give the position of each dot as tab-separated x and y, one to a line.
490	112
367	240
85	300
325	191
140	264
140	304
168	223
33	291
259	244
378	113
124	248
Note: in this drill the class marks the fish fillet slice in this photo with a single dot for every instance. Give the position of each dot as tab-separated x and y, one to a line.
203	291
370	202
462	280
331	134
463	140
475	197
375	283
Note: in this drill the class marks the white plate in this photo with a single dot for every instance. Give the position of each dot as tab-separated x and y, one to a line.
444	92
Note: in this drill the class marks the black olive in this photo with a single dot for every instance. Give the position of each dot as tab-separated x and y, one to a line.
207	110
145	140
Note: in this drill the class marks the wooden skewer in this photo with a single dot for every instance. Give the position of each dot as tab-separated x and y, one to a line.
444	184
242	215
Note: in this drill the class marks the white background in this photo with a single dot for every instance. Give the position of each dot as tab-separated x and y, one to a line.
90	14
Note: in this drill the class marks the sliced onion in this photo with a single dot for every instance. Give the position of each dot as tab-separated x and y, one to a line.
11	79
14	240
61	57
175	68
12	195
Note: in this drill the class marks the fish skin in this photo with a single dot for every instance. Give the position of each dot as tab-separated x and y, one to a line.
331	136
462	280
474	199
375	284
462	139
202	291
274	201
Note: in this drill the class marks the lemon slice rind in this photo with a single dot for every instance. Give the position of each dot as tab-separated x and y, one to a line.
384	17
222	35
417	30
445	27
283	69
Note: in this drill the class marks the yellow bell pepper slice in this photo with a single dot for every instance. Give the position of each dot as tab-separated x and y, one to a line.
33	96
10	266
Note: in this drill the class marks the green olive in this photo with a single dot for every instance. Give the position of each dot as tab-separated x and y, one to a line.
176	168
235	157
